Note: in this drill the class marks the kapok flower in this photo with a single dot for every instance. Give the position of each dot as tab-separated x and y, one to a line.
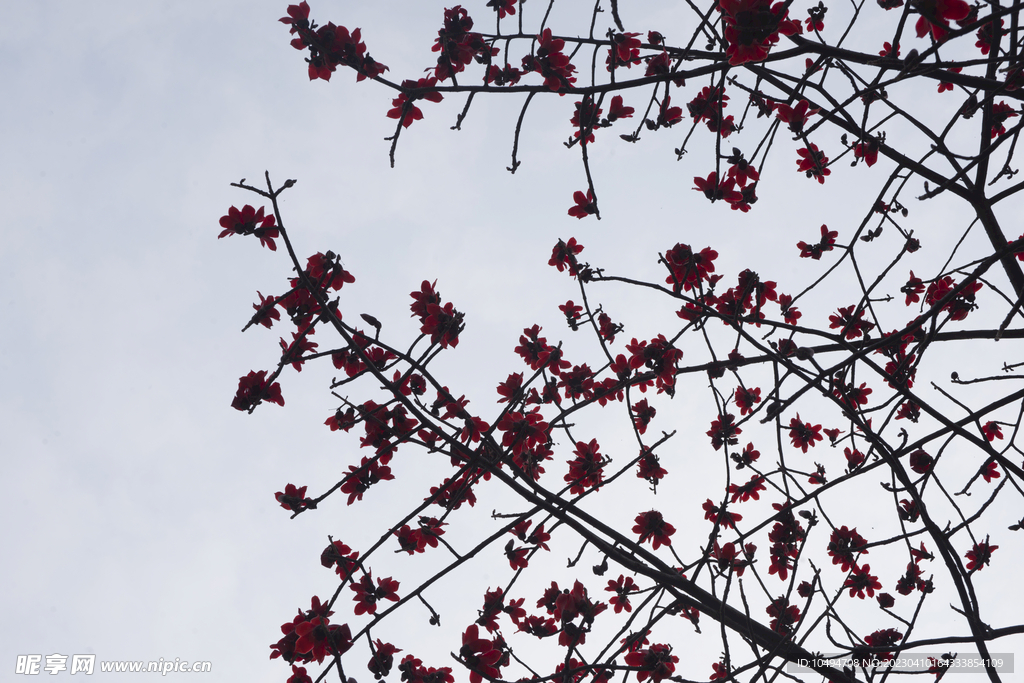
651	526
585	204
250	221
813	162
980	555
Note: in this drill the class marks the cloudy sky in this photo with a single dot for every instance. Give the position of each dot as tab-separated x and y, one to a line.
140	520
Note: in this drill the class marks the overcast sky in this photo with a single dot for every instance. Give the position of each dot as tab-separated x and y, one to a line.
140	520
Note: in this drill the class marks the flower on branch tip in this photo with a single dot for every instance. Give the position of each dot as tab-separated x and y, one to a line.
362	477
253	388
867	150
1001	111
503	7
804	434
784	616
618	111
383	659
625	50
843	545
550	62
715	190
936	15
980	555
825	243
443	324
813	163
292	498
753	26
403	107
266	311
585	204
992	431
587	469
747	491
367	595
724	431
657	662
622	587
860	581
720	516
651	526
668	115
250	221
795	116
480	655
745	399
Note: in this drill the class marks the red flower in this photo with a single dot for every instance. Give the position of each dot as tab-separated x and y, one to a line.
804	434
444	325
796	116
424	298
292	498
715	190
587	470
747	491
563	256
860	580
784	616
503	7
367	595
728	559
752	27
843	545
625	50
813	162
253	388
571	310
479	655
867	150
361	478
826	243
668	115
249	221
649	468
746	399
850	324
854	458
653	527
403	107
723	431
1001	111
585	119
980	555
990	471
992	431
383	659
622	587
642	415
522	431
617	111
656	663
723	518
266	311
299	672
551	63
883	638
936	15
585	205
920	461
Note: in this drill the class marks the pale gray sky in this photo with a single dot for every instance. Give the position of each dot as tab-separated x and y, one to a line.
140	520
